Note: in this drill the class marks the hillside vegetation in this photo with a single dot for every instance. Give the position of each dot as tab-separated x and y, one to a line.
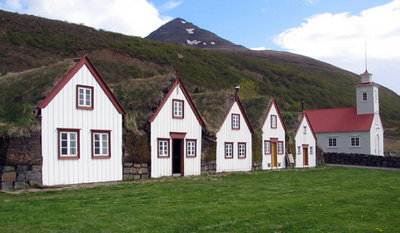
36	52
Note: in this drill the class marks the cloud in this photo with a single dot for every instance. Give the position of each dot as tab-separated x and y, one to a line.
130	17
340	39
171	5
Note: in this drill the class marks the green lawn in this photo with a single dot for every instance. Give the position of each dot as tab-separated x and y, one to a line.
326	199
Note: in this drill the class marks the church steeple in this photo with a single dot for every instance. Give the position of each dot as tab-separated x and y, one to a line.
367	95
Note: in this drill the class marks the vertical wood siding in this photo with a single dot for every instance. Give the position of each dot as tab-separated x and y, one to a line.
163	125
61	112
268	133
226	134
305	139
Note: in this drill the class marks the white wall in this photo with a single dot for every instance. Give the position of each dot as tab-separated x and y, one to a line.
343	142
268	133
226	134
61	112
306	139
376	136
163	125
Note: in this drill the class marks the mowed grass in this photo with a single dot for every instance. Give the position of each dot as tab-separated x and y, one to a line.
325	199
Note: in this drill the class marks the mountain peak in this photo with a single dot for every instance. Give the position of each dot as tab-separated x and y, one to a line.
184	33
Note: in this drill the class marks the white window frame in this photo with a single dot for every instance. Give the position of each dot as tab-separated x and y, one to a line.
241	150
311	150
101	144
274	121
235	121
68	143
355	141
280	147
191	148
267	147
366	96
334	142
228	150
178	109
304	129
163	147
84	100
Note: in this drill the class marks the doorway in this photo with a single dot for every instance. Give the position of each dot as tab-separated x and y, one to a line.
274	154
177	157
305	156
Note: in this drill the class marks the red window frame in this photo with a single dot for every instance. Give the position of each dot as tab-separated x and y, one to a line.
108	132
68	130
187	148
272	121
173	109
91	107
238	121
241	144
265	147
228	143
158	147
283	149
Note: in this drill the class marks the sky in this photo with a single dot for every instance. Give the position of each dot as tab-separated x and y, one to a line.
353	35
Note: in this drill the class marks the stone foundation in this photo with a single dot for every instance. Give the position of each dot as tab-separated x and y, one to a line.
136	171
208	167
362	160
257	165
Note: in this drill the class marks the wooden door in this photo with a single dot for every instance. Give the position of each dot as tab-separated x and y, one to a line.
274	153
305	156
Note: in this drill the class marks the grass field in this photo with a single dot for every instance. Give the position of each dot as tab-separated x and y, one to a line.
326	199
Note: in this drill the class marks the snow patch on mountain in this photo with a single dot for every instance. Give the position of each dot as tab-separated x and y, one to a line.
182	21
193	42
212	42
190	30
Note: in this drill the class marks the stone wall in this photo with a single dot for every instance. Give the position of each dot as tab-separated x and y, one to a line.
20	162
136	171
208	167
257	165
362	160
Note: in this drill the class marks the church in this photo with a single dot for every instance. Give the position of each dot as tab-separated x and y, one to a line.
351	130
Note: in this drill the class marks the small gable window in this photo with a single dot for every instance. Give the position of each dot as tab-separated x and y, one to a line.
267	145
365	96
280	147
163	148
305	129
298	150
242	150
273	121
332	142
235	121
354	141
178	111
68	143
191	148
228	150
311	150
101	144
84	97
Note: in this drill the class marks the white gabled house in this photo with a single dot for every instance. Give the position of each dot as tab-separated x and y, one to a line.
81	129
234	140
175	135
306	144
273	138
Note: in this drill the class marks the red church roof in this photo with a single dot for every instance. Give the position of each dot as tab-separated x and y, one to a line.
339	120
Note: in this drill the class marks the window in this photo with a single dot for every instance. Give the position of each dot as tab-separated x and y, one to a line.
68	143
273	121
332	142
235	121
228	150
190	148
305	129
84	97
354	141
365	96
311	150
178	111
163	148
280	147
242	150
267	145
298	150
101	147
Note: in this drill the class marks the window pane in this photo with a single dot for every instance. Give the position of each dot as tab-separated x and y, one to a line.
72	151
64	151
97	151
64	136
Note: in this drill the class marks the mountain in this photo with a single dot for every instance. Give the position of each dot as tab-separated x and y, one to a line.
184	33
36	52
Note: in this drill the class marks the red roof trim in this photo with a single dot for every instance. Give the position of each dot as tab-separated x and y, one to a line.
84	61
273	102
309	124
246	119
192	106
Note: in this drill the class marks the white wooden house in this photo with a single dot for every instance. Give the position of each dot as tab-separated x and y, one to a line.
273	138
234	140
81	129
354	129
305	145
175	135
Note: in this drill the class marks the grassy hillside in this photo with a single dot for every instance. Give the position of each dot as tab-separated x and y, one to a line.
140	71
